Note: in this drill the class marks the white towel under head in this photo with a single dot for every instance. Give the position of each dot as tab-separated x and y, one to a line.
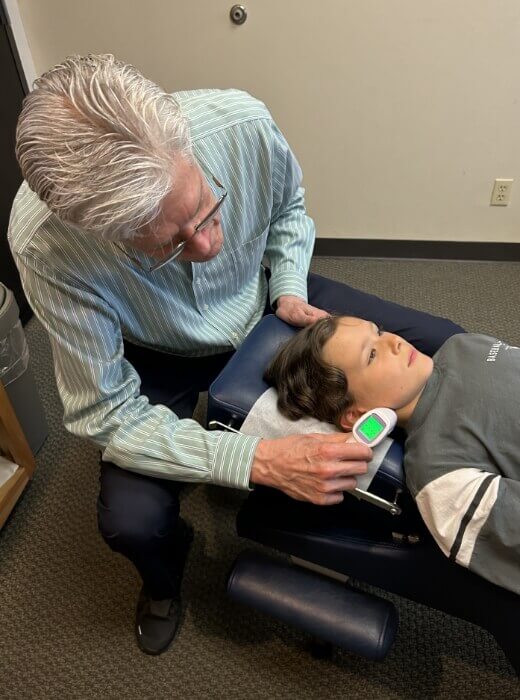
265	420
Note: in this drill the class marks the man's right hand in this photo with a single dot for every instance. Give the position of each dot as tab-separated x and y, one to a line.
315	467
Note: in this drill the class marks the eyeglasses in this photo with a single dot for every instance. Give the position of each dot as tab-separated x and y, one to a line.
177	250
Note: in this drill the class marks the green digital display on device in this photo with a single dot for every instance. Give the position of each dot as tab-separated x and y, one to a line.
371	428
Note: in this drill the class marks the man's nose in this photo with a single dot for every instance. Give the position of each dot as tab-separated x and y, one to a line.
187	234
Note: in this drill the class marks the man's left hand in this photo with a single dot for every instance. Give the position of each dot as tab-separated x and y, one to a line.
297	312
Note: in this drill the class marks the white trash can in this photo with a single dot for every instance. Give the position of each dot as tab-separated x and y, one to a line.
16	375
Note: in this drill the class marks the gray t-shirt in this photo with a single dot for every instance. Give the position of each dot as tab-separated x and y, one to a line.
462	456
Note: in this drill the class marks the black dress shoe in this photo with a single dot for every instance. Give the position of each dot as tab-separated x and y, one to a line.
157	621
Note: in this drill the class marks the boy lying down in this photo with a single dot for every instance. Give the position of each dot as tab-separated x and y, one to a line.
461	414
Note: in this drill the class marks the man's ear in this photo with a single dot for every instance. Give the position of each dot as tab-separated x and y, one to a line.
350	416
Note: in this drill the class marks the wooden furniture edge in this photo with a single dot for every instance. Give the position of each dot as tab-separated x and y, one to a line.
13	442
14	446
11	491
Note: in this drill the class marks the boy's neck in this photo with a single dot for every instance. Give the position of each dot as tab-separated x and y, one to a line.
406	412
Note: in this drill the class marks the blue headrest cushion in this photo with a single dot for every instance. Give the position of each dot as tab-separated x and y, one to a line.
241	382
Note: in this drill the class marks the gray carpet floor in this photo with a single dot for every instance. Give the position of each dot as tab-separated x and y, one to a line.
67	602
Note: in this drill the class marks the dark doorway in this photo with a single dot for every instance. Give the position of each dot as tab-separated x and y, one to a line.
14	90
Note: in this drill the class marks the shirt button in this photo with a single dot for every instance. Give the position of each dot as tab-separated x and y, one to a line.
234	335
205	307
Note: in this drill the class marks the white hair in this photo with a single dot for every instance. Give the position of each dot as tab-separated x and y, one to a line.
98	144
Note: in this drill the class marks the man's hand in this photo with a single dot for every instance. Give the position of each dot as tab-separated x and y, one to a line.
297	312
315	467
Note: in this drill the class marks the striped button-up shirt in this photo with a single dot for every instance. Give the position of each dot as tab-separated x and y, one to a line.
90	297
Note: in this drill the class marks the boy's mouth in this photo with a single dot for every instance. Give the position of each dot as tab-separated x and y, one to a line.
412	357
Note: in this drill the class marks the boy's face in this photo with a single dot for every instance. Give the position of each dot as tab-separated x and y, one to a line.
382	369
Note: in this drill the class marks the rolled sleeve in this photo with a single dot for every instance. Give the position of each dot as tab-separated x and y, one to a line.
287	283
233	460
292	232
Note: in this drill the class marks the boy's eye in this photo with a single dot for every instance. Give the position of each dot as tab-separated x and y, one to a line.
372	355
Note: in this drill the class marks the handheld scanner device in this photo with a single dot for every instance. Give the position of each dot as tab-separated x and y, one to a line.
371	429
374	426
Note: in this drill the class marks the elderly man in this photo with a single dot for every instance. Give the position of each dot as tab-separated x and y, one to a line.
139	234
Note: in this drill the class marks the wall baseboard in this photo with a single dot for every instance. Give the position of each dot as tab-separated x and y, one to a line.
434	250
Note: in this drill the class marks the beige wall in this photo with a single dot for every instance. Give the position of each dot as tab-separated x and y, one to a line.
402	112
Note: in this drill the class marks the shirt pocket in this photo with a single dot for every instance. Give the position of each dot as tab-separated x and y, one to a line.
247	260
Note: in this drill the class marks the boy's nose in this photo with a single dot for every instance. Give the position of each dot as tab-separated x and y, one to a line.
394	343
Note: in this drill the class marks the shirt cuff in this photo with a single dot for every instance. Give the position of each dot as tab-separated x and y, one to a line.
233	460
287	282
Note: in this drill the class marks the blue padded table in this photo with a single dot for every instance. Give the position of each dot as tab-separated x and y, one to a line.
393	552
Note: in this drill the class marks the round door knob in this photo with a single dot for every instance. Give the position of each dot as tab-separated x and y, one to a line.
238	14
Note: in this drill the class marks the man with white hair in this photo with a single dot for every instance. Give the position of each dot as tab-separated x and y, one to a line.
139	233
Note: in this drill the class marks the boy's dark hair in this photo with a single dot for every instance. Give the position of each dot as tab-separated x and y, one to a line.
306	385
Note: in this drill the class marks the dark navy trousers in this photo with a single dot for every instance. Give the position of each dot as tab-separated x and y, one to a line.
137	514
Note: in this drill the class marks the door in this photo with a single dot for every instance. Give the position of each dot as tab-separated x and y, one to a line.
13	91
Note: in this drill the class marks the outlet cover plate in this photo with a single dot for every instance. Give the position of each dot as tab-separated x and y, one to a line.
501	194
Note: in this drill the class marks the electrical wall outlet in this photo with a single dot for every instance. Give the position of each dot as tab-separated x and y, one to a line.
501	192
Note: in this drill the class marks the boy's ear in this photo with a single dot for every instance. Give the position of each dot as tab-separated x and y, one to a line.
350	416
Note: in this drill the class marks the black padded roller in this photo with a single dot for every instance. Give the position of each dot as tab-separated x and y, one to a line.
359	622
